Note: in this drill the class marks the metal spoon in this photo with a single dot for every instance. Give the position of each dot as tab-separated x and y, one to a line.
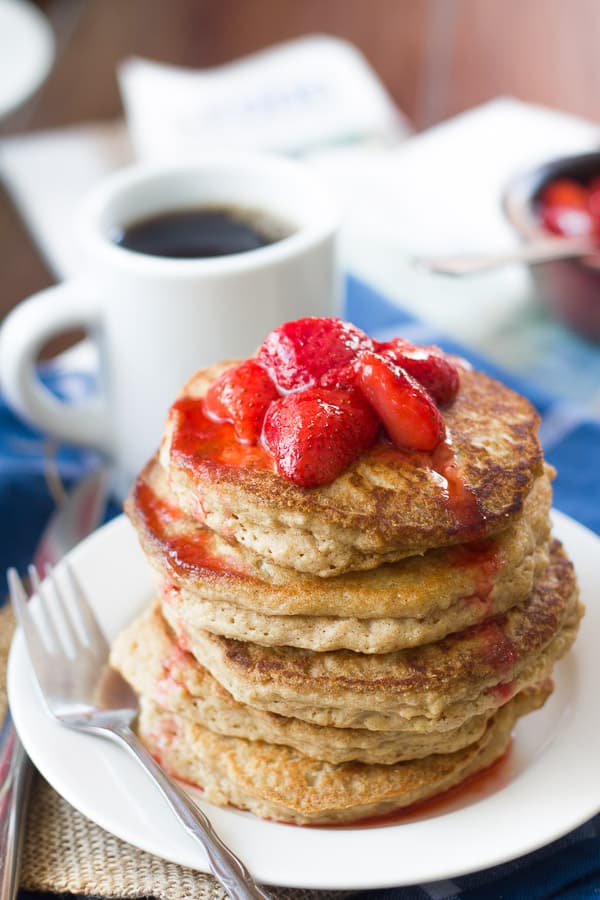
532	253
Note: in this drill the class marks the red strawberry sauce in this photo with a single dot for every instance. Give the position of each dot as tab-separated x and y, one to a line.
183	553
443	466
485	561
197	437
473	789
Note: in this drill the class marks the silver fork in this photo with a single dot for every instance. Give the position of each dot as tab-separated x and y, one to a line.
70	684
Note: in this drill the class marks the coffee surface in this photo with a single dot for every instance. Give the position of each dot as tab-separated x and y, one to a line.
201	232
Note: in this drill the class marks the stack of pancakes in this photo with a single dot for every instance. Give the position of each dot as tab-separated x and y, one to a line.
333	653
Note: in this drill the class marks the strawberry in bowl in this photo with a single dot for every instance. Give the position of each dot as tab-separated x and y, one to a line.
561	198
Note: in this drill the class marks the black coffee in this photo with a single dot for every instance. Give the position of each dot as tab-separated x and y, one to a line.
202	232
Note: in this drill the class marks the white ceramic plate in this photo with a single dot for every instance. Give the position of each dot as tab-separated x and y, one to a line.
26	52
552	773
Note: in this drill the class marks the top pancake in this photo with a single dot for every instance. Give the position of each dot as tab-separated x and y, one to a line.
387	505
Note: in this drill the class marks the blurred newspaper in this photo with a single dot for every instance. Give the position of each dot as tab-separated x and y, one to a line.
297	98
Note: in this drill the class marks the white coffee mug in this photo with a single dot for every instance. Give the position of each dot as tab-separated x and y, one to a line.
157	319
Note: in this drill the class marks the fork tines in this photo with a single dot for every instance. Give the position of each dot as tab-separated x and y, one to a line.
66	645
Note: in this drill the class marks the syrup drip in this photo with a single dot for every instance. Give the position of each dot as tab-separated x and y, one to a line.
163	737
504	692
498	650
183	639
444	469
184	552
197	438
458	495
170	591
170	679
485	561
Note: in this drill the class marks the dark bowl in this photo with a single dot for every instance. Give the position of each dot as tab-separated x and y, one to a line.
569	288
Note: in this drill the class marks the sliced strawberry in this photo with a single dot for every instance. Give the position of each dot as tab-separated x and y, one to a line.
340	378
594	202
566	193
409	414
567	221
393	347
315	434
242	395
298	354
428	365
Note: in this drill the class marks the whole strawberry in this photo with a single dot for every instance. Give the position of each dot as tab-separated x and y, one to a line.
315	434
242	395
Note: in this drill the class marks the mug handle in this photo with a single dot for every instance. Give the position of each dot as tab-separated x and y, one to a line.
25	331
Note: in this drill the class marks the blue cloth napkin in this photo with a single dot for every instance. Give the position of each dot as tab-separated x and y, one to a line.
569	867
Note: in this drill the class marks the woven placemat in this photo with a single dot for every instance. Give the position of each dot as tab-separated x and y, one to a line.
66	853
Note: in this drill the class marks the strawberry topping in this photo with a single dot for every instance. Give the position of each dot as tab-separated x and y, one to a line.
565	192
298	354
594	201
427	365
341	378
567	221
408	412
569	208
315	434
242	395
320	389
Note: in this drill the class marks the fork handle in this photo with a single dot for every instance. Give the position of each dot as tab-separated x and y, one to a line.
224	865
15	777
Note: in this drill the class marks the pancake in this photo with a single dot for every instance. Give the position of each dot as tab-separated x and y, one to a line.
278	783
222	588
323	633
148	657
386	506
433	687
